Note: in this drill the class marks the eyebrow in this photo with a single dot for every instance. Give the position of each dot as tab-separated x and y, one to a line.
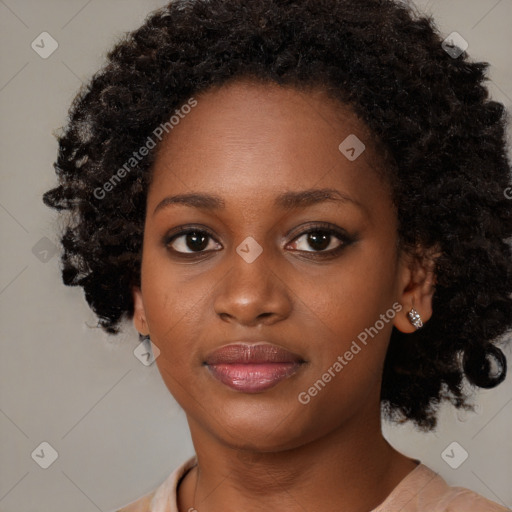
287	200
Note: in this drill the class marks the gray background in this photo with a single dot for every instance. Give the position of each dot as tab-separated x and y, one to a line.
117	430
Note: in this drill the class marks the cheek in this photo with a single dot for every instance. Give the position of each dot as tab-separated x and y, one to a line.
169	302
349	297
347	351
341	313
346	324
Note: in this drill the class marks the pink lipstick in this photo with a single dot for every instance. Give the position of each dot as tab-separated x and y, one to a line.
252	368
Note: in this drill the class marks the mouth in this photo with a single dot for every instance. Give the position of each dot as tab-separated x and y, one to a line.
252	367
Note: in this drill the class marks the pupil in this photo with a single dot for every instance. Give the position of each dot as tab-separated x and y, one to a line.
194	237
318	242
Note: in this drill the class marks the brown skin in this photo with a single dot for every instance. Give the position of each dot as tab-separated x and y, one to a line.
248	143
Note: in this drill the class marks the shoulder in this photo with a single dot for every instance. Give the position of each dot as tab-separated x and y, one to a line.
423	490
141	505
465	500
165	495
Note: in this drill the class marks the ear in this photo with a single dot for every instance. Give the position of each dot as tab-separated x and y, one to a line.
139	314
417	286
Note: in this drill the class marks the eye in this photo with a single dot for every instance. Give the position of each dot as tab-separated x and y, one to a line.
190	241
322	240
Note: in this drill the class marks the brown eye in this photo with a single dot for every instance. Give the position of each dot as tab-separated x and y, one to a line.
190	241
323	240
318	240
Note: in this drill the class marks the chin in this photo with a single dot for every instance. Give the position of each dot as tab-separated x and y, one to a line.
262	429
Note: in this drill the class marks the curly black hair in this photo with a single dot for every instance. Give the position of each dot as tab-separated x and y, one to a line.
444	137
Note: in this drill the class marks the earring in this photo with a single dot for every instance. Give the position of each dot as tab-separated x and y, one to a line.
143	337
415	318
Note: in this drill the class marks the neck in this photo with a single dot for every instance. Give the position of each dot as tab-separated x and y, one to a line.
352	468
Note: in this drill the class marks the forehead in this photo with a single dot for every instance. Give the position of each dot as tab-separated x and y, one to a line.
247	138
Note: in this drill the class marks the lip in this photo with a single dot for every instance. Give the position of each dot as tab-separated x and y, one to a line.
252	367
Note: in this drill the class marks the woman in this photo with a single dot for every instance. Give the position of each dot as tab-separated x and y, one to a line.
302	204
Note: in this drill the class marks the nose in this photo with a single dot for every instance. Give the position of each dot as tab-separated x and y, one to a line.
252	293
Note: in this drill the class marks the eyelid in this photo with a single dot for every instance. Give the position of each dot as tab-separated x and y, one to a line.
185	229
317	226
332	230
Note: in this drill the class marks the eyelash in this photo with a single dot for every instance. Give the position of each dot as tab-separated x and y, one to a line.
323	228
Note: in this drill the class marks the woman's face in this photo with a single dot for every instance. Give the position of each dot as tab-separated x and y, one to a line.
252	273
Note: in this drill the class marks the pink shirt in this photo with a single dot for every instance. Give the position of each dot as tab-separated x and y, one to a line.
421	490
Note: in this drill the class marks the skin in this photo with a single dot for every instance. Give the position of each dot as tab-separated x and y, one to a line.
247	143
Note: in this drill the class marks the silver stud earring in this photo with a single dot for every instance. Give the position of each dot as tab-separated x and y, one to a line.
415	318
